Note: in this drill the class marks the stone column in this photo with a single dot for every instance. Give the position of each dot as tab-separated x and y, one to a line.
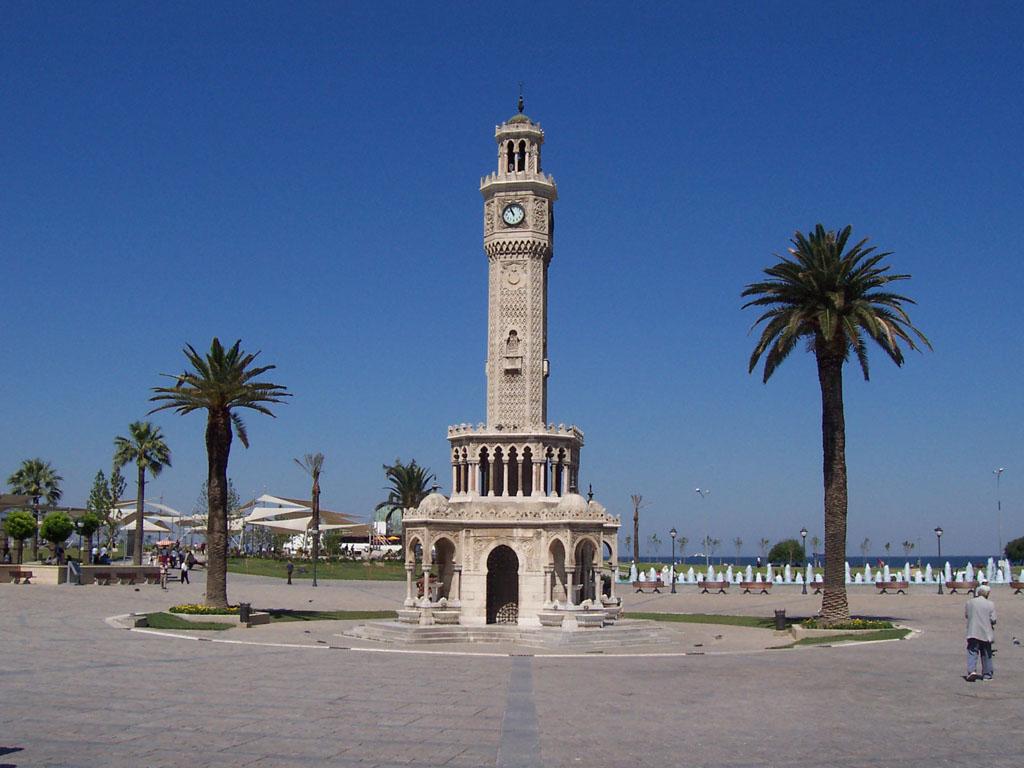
474	476
521	474
597	584
410	599
569	598
549	583
564	469
611	584
458	585
427	597
538	478
455	478
504	474
493	475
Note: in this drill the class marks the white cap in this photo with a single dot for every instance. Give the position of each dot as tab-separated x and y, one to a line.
984	589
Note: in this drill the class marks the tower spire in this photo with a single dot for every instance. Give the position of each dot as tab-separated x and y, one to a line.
521	104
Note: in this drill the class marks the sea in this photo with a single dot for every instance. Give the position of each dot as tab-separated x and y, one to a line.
855	560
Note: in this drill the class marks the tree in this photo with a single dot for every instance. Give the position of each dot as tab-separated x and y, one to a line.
112	521
887	546
409	485
738	543
762	545
908	547
638	501
87	525
683	541
20	525
627	542
655	543
713	547
835	299
38	479
221	382
864	547
99	505
312	464
787	551
1015	550
56	528
202	505
146	447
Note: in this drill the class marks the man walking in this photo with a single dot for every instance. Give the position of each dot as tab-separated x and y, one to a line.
290	567
980	613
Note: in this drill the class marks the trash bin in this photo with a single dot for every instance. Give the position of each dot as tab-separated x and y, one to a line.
780	620
244	610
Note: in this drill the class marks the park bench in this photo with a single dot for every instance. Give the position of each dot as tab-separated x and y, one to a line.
901	587
102	577
654	586
755	586
718	586
127	577
966	586
1016	586
20	576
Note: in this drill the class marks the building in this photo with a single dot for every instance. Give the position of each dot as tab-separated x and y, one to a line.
514	538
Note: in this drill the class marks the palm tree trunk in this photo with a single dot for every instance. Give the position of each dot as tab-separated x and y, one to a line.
140	503
21	551
830	358
316	527
35	533
636	535
218	448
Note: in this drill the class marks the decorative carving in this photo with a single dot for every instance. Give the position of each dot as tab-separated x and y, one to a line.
489	208
540	214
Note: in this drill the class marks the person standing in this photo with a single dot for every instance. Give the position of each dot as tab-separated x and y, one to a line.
184	571
980	613
290	567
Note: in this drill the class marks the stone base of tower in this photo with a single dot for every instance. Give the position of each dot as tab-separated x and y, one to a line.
507	560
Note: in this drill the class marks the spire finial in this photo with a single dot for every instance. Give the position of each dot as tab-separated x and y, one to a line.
521	105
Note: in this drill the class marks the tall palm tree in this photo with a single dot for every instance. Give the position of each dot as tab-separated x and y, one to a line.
38	479
409	485
834	299
219	382
312	464
638	501
145	446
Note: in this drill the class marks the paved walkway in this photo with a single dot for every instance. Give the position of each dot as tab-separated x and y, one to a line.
75	692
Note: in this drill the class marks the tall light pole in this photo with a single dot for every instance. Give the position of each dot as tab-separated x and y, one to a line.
999	509
803	539
672	534
703	493
938	539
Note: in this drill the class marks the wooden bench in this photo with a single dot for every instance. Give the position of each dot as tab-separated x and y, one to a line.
706	586
19	576
966	586
901	587
102	578
1016	586
758	586
127	577
654	586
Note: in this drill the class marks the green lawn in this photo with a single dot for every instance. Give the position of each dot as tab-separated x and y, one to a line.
758	622
290	615
170	621
881	634
355	571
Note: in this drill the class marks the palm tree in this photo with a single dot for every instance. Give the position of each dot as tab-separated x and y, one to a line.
220	382
409	485
638	501
146	447
834	299
312	464
38	479
738	543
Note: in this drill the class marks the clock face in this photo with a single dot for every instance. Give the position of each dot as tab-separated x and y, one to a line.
513	214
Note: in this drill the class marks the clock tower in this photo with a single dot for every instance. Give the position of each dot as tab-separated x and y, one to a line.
518	240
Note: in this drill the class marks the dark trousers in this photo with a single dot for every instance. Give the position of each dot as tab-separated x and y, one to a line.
979	649
184	577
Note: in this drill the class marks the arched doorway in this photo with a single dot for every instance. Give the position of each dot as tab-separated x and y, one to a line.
586	554
502	586
444	561
559	579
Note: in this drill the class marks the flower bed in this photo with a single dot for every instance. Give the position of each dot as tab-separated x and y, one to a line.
197	609
850	624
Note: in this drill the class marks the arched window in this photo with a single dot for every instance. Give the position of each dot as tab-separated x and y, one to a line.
510	156
521	157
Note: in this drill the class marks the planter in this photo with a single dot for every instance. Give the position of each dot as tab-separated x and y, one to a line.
221	618
446	615
589	619
551	618
408	615
799	633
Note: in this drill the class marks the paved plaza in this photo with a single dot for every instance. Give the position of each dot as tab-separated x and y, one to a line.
78	692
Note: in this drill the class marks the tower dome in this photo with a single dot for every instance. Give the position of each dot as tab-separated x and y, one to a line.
572	505
435	502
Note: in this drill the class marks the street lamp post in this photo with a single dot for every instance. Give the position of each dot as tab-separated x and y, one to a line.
803	539
672	534
938	539
999	509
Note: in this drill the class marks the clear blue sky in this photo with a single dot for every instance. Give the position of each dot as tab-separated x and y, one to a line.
305	177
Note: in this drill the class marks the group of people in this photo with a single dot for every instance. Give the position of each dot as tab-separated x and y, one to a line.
100	555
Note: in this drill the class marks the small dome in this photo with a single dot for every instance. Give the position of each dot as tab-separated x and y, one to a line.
435	502
572	505
519	118
597	508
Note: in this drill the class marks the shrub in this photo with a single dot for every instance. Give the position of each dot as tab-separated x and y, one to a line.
1015	550
787	551
850	624
195	609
